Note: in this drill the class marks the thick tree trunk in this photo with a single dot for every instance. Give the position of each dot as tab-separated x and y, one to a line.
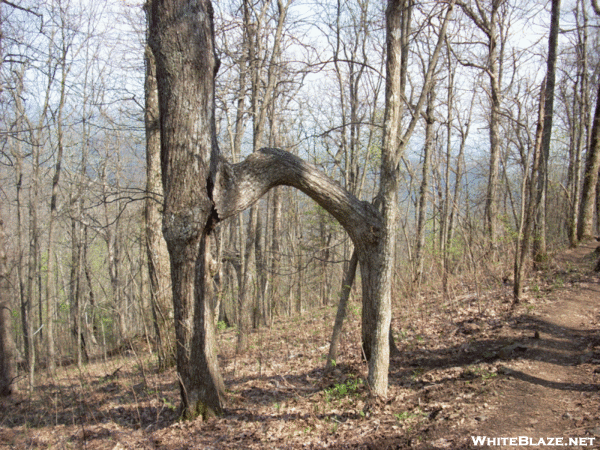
156	247
185	75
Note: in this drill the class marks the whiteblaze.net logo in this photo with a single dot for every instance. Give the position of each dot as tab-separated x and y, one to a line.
532	442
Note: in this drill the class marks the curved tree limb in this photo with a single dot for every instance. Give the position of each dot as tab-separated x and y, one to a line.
238	186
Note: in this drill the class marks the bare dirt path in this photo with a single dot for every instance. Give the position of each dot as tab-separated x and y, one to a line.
550	388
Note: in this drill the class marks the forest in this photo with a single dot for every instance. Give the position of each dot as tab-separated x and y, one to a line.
176	170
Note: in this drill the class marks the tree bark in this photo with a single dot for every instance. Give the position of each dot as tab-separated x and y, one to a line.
528	193
424	188
341	312
181	36
156	247
539	241
489	24
590	179
8	350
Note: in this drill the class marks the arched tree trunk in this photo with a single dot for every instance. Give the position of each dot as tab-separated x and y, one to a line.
201	188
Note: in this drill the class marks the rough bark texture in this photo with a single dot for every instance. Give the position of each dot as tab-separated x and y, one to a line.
181	37
378	279
156	248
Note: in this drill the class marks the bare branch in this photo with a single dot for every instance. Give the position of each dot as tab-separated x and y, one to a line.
27	10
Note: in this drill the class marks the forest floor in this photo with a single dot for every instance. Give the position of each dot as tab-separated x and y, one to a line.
468	367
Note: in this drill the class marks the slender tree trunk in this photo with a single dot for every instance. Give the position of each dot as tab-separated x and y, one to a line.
489	24
528	202
579	120
8	350
424	188
341	311
274	298
245	294
491	205
590	179
51	291
24	291
539	241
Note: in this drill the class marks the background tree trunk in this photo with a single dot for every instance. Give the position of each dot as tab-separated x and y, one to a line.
590	179
424	188
539	239
8	353
341	311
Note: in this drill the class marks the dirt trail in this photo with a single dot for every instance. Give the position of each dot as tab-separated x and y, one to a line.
552	390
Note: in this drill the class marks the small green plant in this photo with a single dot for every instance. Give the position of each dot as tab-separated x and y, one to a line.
221	325
406	415
168	404
341	390
417	373
483	373
402	416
